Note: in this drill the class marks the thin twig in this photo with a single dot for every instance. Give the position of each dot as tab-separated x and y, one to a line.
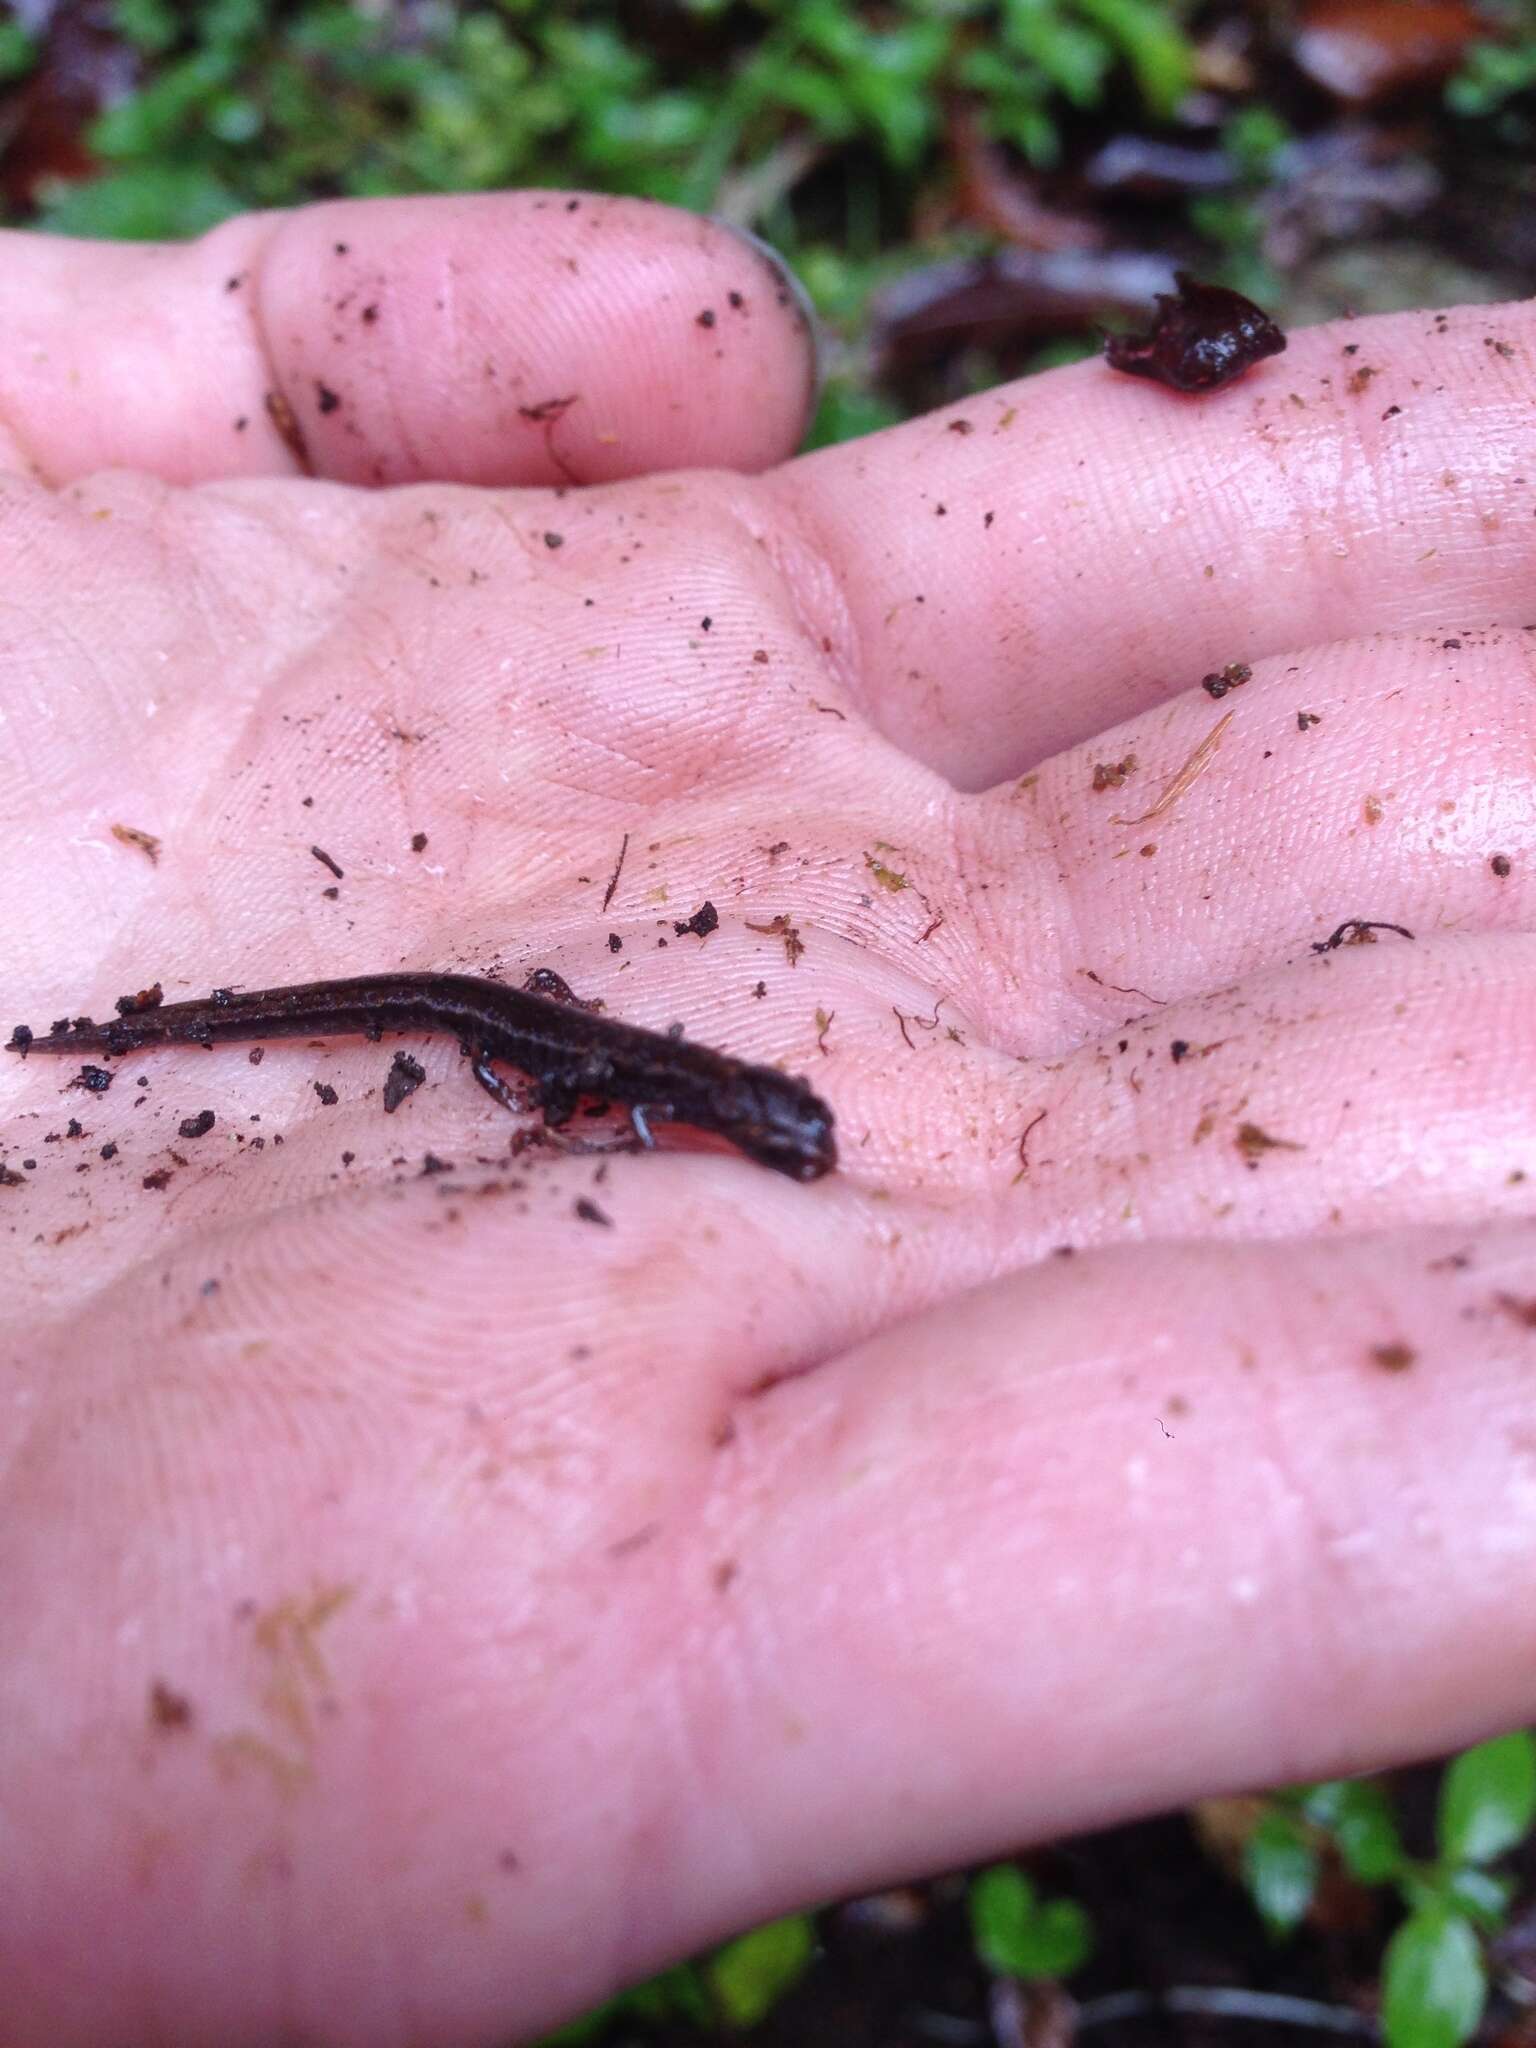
743	197
1232	2002
618	869
1192	769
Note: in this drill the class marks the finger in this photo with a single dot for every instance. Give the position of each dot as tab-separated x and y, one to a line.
1121	1531
1036	564
1386	780
535	337
1378	1086
1375	1086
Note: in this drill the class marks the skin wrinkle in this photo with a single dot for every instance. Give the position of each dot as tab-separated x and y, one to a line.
1270	526
251	238
1129	1151
803	562
1362	1574
999	843
18	460
159	531
390	395
1320	1639
1064	925
1360	500
684	1708
336	368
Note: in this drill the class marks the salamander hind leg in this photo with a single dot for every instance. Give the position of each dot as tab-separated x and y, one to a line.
558	1101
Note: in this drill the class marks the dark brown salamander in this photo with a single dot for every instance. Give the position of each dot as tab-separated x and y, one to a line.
566	1052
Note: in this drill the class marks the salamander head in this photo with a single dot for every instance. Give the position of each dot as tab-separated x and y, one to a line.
777	1120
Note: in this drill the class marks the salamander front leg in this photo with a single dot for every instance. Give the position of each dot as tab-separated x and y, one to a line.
494	1086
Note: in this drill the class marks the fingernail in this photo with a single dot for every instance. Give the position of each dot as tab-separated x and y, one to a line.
789	291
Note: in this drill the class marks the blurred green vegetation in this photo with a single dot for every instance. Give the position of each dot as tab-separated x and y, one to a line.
247	104
734	1987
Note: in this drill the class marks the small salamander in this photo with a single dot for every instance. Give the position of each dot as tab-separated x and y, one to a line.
567	1053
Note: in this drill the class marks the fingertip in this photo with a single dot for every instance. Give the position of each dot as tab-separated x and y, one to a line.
534	338
518	338
793	297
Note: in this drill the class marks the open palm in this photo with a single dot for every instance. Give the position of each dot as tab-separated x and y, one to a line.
440	1581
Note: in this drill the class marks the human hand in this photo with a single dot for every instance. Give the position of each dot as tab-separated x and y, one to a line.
426	1606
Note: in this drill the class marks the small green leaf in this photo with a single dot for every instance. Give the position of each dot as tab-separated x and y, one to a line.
1358	1815
1280	1871
1253	138
1481	1894
151	25
18	50
1018	1935
1073	58
1232	221
652	125
1061	1939
900	111
750	1976
231	22
1424	1887
1488	1799
1433	1981
233	117
846	412
1002	1904
152	123
1491	75
675	1994
1156	49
